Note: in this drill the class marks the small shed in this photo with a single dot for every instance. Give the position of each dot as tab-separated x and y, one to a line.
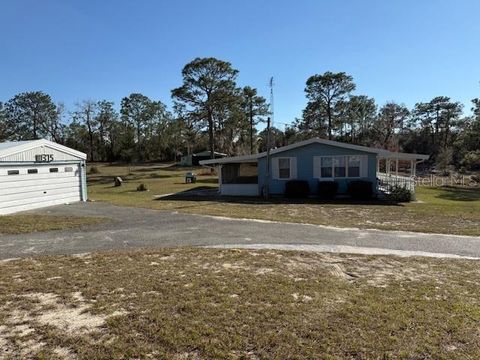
40	173
194	159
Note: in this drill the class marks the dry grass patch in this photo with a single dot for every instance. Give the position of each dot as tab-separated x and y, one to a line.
28	223
238	304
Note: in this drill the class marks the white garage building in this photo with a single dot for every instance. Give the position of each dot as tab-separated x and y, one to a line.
39	173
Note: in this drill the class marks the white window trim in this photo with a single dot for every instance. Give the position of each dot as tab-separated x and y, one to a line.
333	177
276	168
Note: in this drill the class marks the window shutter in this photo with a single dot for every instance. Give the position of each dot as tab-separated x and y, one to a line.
275	172
364	166
293	167
317	167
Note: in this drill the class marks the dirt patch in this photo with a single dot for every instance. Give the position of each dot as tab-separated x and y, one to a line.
29	313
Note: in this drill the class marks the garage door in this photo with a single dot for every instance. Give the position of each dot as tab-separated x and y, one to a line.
30	187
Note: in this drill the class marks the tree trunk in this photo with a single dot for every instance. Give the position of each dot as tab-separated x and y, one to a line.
210	134
329	115
90	134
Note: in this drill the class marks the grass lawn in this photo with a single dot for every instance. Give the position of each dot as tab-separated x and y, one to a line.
185	303
21	224
438	210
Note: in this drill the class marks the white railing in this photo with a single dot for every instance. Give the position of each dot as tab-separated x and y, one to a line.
388	181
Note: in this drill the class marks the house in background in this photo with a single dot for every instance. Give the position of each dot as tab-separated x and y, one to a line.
313	160
194	159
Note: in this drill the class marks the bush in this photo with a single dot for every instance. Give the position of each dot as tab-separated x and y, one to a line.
94	170
471	160
399	194
142	187
327	189
297	189
360	189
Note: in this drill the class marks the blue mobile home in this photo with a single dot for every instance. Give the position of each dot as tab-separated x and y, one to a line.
311	160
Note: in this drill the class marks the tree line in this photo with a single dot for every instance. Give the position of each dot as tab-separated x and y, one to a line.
210	111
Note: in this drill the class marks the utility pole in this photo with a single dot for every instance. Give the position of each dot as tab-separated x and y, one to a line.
271	99
269	124
267	178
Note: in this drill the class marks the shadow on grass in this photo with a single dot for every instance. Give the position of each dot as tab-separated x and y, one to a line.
210	194
201	181
109	179
459	194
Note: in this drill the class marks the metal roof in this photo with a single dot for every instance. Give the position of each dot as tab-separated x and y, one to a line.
380	152
14	147
10	144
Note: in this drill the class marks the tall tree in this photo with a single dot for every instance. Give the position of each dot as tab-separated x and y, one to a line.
325	93
27	113
107	120
391	121
437	118
86	114
255	108
143	115
208	83
3	123
54	127
360	113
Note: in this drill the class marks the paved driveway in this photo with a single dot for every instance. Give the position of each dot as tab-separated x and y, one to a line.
134	228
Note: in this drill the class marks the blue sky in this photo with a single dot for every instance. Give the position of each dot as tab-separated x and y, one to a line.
406	51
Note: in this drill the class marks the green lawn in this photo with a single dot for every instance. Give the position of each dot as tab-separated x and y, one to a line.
438	210
237	304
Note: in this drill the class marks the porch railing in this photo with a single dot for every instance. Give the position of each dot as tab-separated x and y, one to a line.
388	181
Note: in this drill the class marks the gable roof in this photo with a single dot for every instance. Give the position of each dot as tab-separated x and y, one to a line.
379	152
14	147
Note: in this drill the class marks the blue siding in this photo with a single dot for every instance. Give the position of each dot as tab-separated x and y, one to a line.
304	157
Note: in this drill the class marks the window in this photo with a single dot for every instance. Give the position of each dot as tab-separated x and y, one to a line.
13	172
32	171
327	163
354	166
339	166
53	170
69	169
284	168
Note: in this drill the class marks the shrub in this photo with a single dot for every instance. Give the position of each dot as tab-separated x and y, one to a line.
94	170
360	189
327	189
142	187
297	189
471	160
399	194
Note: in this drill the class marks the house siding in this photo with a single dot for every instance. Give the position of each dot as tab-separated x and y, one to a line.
304	156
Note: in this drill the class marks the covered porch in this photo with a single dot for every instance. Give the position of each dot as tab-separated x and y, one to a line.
238	179
398	170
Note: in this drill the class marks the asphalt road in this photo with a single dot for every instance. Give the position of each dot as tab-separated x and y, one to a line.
137	228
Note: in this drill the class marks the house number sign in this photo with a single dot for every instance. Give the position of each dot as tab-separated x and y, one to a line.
44	158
